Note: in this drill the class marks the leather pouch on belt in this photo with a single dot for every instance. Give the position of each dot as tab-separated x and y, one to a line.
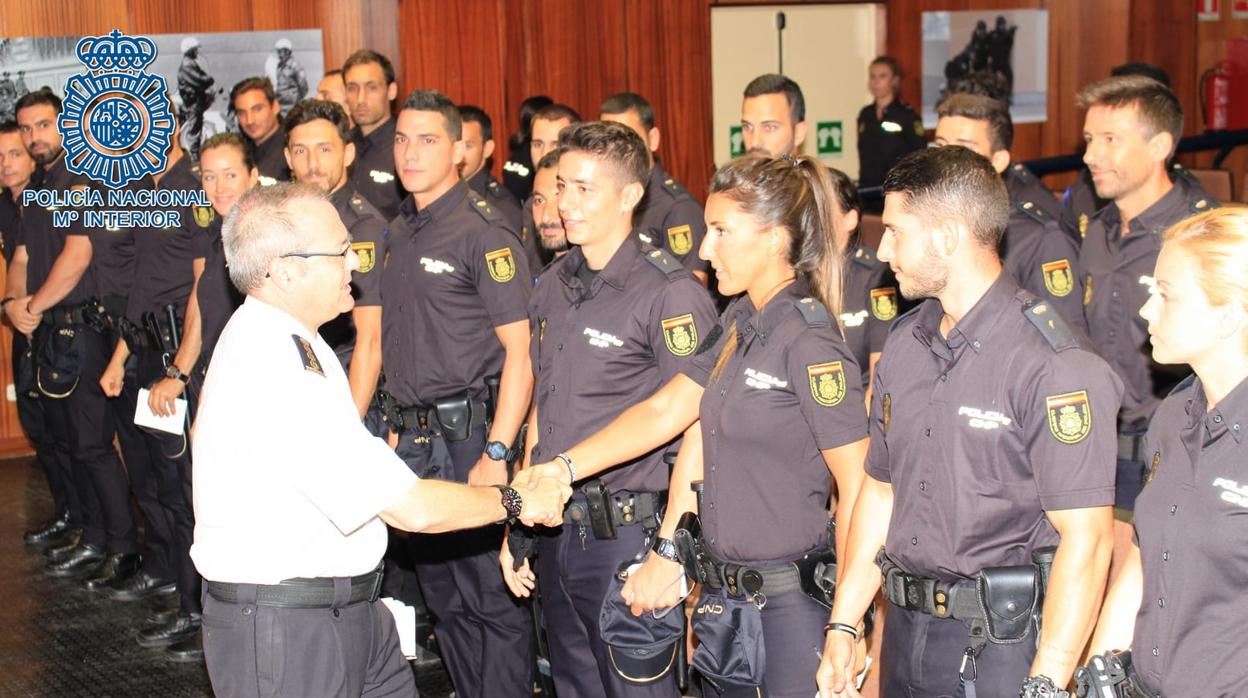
455	416
1008	596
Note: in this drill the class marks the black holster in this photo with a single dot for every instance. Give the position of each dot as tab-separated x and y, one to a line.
1009	597
455	416
598	498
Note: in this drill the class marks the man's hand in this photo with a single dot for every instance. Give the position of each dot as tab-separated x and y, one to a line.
654	586
114	376
522	581
543	504
554	470
162	395
836	675
19	314
488	472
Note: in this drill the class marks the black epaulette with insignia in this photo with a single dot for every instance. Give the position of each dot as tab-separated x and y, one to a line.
1034	212
898	320
494	188
485	210
664	262
308	356
196	171
1051	325
1023	174
673	187
357	203
866	257
1183	385
1203	204
815	313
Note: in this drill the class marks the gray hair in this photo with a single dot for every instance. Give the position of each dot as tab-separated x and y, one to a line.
263	226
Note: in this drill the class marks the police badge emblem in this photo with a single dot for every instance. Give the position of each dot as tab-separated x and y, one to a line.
500	264
1070	416
680	239
203	215
1058	279
116	121
884	303
680	334
367	252
827	383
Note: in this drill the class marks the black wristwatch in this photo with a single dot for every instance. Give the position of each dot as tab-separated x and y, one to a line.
511	502
497	450
666	549
173	372
1041	687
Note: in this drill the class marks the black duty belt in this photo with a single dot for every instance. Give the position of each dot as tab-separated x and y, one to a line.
741	580
65	315
1131	447
959	600
301	593
627	509
426	418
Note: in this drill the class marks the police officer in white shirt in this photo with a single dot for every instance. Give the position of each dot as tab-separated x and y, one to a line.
290	530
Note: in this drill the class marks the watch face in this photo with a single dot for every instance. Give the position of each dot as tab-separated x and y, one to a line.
495	450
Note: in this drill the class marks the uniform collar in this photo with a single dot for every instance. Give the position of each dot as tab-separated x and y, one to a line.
1231	414
658	176
441	206
479	181
974	328
378	137
1156	218
615	274
277	319
751	323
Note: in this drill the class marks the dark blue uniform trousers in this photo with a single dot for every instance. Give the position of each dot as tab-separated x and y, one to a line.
55	464
793	642
573	581
484	633
920	657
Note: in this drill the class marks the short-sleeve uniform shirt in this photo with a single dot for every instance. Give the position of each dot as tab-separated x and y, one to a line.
302	505
1044	260
669	217
1023	186
373	174
882	141
488	188
163	273
456	271
981	432
604	341
216	294
788	391
869	306
368	239
44	241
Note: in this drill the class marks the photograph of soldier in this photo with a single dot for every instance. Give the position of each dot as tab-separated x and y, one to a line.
289	78
193	87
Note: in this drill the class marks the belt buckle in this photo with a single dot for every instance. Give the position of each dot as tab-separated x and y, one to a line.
914	593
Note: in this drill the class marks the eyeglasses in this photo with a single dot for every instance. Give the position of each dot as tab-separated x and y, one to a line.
346	247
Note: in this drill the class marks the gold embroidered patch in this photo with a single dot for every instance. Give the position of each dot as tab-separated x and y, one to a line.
501	265
918	128
680	239
886	406
367	252
308	356
827	383
680	334
1152	468
1058	278
1087	289
1070	416
1083	225
884	303
203	215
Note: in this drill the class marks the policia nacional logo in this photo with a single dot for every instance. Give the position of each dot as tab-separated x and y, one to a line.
501	265
680	239
367	252
884	303
116	122
1070	416
827	383
1058	279
680	334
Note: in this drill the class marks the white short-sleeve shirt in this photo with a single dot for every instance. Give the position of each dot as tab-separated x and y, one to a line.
287	481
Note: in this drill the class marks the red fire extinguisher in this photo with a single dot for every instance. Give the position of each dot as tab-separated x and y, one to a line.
1215	90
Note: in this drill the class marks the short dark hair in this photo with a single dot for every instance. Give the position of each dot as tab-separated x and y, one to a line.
986	109
888	61
773	83
1159	110
314	109
550	159
9	127
232	139
556	112
40	96
248	84
1148	70
432	100
616	144
624	102
847	196
953	184
364	56
528	108
474	114
332	72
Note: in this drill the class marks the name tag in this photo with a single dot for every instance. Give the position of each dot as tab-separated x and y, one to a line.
854	319
1232	492
436	266
380	177
891	126
601	339
984	419
761	381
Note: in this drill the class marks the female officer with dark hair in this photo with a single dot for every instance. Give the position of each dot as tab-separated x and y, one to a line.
1178	602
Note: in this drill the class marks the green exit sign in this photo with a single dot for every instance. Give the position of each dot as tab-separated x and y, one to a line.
829	137
736	142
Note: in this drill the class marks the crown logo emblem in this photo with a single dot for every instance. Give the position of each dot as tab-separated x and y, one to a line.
116	122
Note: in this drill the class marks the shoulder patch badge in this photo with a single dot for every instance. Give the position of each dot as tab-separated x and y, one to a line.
310	363
203	215
827	383
680	334
501	265
680	239
367	252
1058	279
1070	416
884	303
918	128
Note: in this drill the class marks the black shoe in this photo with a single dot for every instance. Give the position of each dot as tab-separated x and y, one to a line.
83	559
69	543
139	586
116	569
49	533
183	627
160	617
188	650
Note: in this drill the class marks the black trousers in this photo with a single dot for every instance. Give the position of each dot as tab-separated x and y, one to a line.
920	657
573	581
346	651
34	423
485	634
82	427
